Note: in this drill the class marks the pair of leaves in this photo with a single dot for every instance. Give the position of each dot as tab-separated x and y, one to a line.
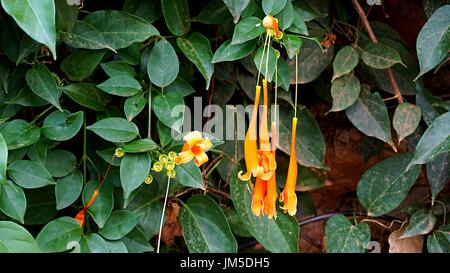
343	237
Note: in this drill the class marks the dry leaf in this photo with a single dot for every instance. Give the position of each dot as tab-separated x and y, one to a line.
407	245
172	228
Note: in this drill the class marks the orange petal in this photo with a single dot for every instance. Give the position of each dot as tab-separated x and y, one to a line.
80	216
93	197
274	137
271	198
290	202
258	195
288	195
184	157
201	159
264	142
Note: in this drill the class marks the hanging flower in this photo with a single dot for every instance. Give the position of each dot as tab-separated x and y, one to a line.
195	148
288	195
81	214
258	196
271	25
270	201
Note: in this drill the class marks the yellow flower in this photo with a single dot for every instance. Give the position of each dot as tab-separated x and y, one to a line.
119	152
288	196
195	149
271	25
148	180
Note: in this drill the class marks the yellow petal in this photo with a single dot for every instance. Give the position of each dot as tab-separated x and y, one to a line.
264	142
258	195
193	138
184	157
271	198
201	159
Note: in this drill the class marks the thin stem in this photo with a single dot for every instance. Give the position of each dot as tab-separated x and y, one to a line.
262	57
41	114
276	92
267	59
162	215
296	85
149	130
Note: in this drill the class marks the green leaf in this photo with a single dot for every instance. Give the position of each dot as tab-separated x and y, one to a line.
60	163
311	62
343	237
41	206
298	25
38	151
228	52
102	207
87	95
26	97
369	115
133	106
439	240
163	65
134	168
62	126
345	91
12	201
380	56
42	83
422	222
59	235
260	62
148	10
18	133
140	146
118	68
345	61
293	43
36	18
309	142
433	41
147	203
29	174
247	29
236	7
176	15
93	243
438	174
68	189
163	105
66	15
181	87
3	159
198	50
119	224
273	7
435	141
280	235
81	64
189	175
236	224
16	239
284	74
406	119
116	247
124	86
115	129
215	12
286	16
205	227
136	242
384	186
110	29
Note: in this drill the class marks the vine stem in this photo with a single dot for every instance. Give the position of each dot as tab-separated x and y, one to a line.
374	40
162	216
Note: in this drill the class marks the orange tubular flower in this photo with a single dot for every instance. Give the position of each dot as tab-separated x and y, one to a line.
80	215
258	196
271	23
195	148
270	200
288	195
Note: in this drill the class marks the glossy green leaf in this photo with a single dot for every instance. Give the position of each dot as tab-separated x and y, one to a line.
215	12
164	105
369	115
273	7
87	95
176	15
115	129
68	189
118	68
435	140
344	237
41	206
103	205
380	56
181	87
439	240
42	83
433	41
133	106
136	242
124	86
309	142
189	175
228	52
38	151
247	29
66	15
148	10
36	18
298	25
59	235
110	29
163	65
280	235
271	60
293	43
345	91
406	119
16	239
18	133
140	146
12	201
236	7
422	222
26	97
29	174
81	64
61	126
198	50
205	227
93	243
148	204
3	159
345	61
438	174
116	247
284	75
60	163
286	16
134	168
119	224
384	186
